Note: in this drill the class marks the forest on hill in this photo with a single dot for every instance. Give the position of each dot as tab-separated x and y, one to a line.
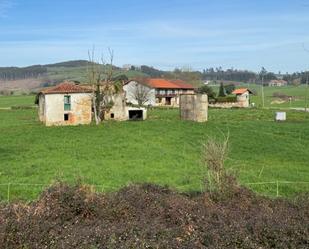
51	74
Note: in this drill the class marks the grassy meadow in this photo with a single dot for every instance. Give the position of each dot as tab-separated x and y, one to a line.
16	100
298	94
162	150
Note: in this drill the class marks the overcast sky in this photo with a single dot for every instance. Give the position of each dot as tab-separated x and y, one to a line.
165	34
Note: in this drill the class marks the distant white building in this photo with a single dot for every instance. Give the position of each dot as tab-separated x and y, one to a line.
127	67
158	92
278	83
135	90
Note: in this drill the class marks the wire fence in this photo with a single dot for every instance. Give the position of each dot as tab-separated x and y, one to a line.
7	191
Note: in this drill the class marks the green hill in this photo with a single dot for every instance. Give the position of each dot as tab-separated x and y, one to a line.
37	76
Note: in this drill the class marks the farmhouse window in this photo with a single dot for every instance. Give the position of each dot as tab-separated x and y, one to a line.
66	117
67	103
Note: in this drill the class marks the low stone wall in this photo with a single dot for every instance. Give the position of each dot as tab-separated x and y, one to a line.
194	107
228	105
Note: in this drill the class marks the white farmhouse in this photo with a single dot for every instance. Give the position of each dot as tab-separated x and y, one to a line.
156	92
139	93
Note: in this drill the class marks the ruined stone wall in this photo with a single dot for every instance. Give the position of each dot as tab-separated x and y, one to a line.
194	107
118	111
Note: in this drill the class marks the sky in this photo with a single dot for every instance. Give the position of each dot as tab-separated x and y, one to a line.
194	34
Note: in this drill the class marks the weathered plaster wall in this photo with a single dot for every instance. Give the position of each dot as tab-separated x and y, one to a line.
194	107
118	111
243	99
80	112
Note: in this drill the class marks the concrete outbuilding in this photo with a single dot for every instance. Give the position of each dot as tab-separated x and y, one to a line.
121	112
243	97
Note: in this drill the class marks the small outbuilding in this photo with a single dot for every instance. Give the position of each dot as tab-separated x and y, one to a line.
243	97
65	104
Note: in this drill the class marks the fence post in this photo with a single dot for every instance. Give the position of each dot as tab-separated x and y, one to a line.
277	188
8	193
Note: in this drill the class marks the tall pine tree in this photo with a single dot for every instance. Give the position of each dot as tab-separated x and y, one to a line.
221	91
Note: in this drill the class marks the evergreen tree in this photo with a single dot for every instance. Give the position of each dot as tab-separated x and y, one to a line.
229	88
221	91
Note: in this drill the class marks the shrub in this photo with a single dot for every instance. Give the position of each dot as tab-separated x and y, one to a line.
227	99
217	180
150	216
207	90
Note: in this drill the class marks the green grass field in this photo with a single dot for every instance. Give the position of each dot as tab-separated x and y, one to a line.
162	150
18	100
298	93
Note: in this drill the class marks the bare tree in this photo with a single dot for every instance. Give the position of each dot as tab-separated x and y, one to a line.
141	94
100	77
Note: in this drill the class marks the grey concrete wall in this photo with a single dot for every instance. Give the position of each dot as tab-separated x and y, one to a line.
194	107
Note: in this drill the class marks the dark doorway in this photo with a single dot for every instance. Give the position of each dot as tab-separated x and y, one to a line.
135	114
168	101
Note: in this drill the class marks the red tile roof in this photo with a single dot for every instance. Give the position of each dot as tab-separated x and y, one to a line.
241	91
66	87
165	84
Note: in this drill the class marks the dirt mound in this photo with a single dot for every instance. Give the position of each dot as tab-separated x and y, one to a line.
149	216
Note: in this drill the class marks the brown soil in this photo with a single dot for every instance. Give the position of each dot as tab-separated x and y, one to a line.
149	216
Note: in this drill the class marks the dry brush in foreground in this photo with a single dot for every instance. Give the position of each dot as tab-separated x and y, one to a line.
149	216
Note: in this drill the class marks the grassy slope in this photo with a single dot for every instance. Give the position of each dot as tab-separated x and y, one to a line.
299	92
162	150
80	73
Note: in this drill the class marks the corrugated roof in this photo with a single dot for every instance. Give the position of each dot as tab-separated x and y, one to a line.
241	91
66	87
